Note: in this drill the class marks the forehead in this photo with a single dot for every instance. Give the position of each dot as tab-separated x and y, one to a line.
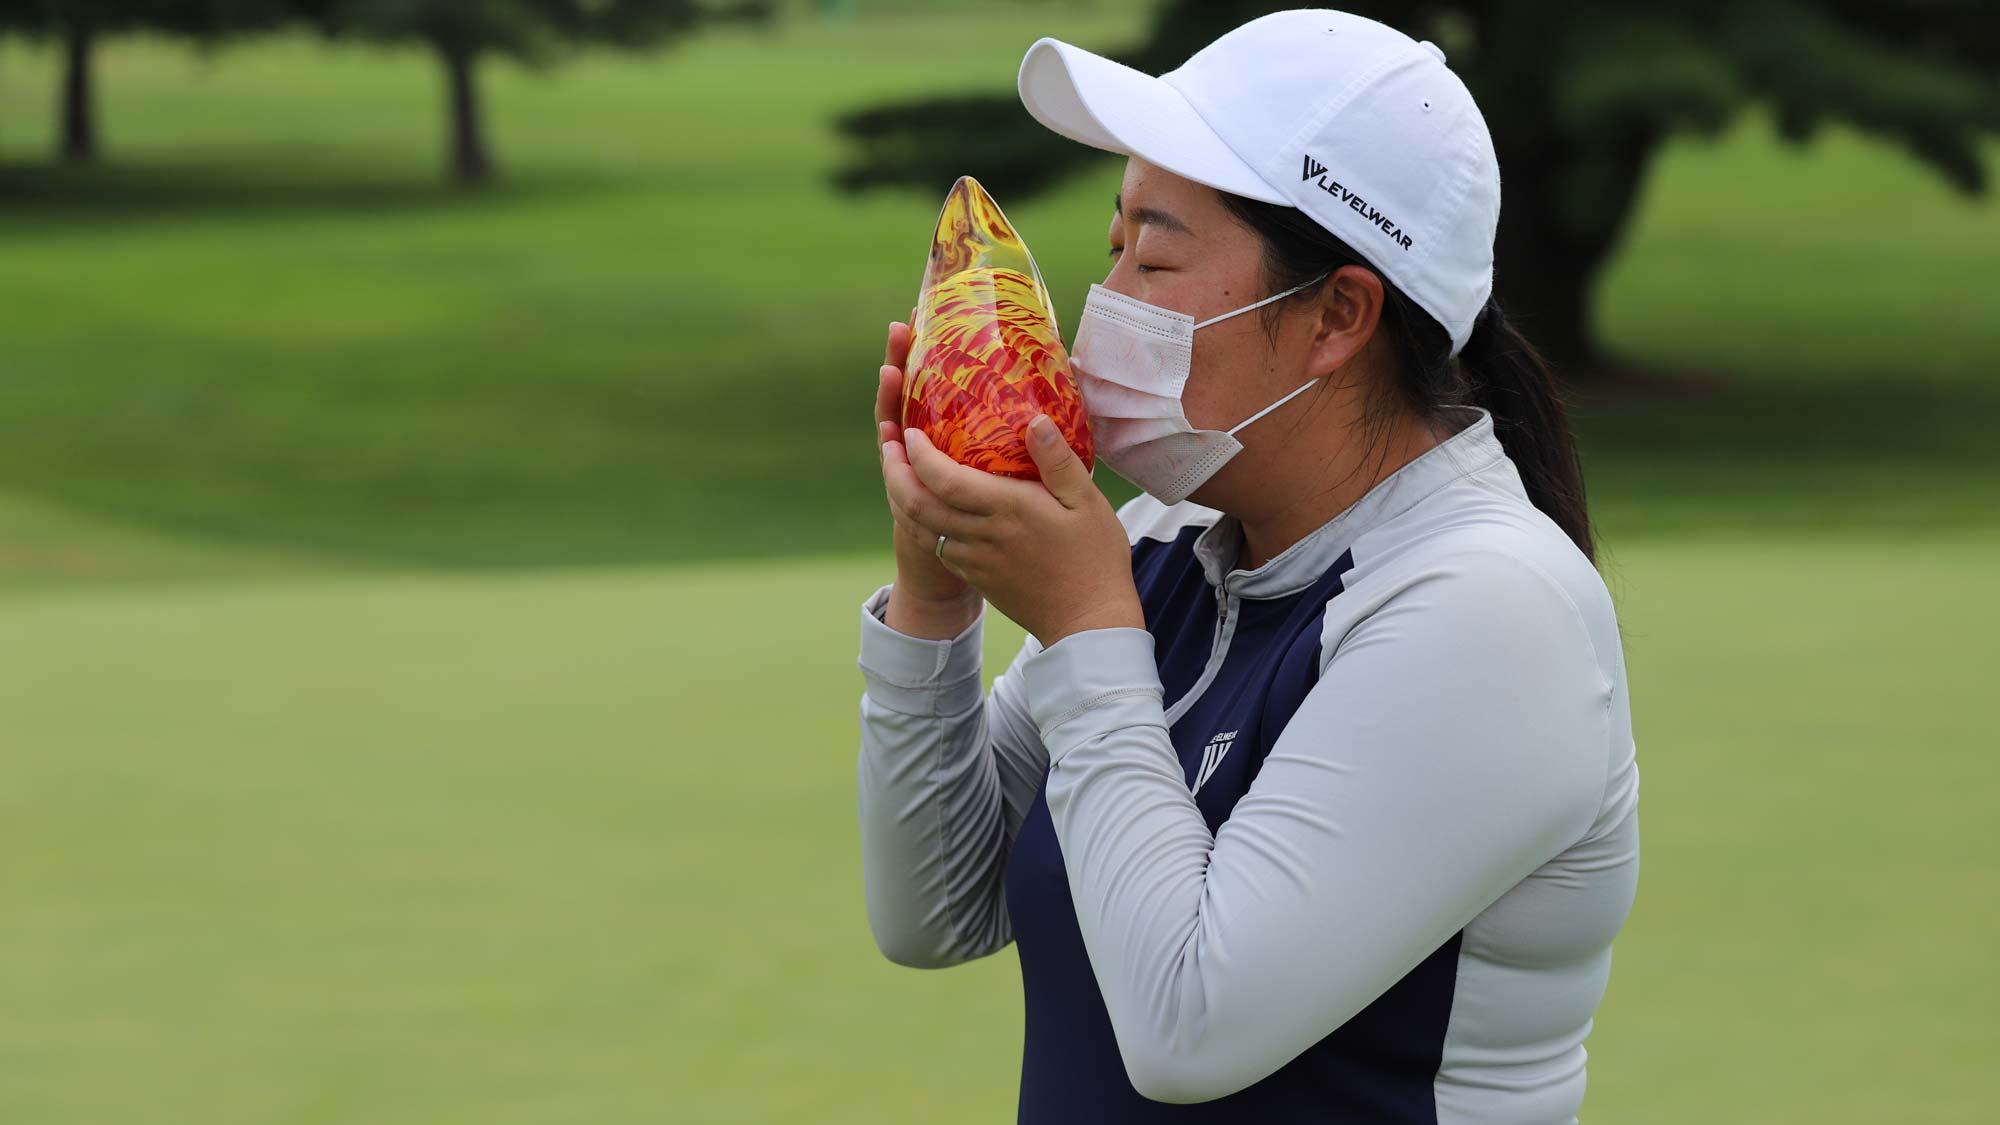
1148	216
1152	196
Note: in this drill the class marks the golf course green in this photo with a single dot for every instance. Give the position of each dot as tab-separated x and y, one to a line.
428	620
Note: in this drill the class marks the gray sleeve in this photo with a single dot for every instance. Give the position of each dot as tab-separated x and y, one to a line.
1455	741
945	778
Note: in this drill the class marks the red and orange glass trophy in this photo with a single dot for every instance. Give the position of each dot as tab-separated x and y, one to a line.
985	353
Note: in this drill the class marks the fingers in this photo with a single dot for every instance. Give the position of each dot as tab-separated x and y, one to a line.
897	349
889	397
962	487
915	504
897	352
889	381
1062	470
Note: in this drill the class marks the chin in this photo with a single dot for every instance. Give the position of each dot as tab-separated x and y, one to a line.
1212	494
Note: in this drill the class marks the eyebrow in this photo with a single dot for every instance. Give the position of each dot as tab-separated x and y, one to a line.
1154	215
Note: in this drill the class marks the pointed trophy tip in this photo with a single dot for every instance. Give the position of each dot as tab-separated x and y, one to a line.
987	354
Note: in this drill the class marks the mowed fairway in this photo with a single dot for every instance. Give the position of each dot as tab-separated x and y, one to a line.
559	847
407	715
267	327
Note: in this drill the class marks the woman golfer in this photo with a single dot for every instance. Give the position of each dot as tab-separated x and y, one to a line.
1311	794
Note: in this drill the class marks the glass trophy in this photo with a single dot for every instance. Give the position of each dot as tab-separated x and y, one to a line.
985	353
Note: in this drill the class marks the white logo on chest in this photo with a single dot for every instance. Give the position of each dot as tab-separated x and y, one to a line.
1211	757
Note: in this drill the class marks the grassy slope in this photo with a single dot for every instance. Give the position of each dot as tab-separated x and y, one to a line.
411	848
268	331
629	352
550	847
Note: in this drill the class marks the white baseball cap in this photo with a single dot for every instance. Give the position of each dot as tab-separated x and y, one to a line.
1353	122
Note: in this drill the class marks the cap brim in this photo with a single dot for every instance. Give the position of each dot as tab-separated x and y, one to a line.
1110	106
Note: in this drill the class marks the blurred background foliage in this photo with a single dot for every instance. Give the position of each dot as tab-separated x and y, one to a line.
1586	96
264	324
435	495
461	33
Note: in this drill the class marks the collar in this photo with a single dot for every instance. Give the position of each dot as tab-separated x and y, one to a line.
1473	448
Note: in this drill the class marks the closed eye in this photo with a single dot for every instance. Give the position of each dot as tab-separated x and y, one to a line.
1142	269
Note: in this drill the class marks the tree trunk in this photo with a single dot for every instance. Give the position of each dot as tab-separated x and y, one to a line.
471	160
1545	283
1563	212
78	127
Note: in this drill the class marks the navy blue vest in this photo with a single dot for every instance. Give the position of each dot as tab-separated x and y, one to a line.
1377	1068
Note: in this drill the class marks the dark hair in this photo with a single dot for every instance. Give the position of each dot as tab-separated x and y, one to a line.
1498	369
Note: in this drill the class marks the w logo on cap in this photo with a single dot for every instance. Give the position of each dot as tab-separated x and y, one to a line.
1313	168
1211	757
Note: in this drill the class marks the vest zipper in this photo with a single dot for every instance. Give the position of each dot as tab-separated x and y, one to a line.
1218	649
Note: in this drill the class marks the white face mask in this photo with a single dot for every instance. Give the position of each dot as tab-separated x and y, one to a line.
1132	364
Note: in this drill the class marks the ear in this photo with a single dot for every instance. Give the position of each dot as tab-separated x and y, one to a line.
1350	313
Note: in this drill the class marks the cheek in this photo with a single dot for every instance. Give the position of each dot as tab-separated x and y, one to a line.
1228	370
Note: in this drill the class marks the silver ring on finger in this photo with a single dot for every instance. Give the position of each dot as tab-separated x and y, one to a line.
940	547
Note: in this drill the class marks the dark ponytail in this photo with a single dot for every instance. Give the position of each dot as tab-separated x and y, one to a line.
1505	374
1498	369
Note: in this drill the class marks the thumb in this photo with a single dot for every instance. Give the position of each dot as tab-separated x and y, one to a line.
1062	471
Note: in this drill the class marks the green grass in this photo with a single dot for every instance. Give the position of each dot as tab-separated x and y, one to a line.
314	815
268	328
271	325
582	847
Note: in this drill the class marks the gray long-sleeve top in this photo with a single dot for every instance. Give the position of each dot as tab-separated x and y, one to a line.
1349	832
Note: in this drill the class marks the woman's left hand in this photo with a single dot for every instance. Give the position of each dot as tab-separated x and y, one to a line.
1050	554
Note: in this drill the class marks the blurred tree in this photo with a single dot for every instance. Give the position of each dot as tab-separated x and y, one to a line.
463	32
1579	97
78	24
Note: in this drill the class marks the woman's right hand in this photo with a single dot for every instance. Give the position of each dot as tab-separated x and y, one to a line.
928	599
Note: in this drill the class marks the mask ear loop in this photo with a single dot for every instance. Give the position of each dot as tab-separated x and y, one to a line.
1262	303
1288	397
1296	391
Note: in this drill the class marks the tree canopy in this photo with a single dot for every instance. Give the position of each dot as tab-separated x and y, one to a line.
463	32
1579	97
80	23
